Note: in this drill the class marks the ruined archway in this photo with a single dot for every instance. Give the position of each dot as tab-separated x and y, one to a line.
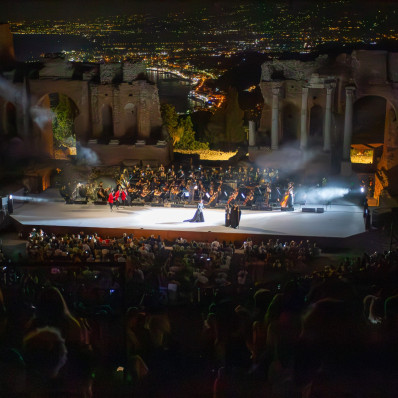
316	125
264	130
369	118
107	124
130	120
54	125
290	122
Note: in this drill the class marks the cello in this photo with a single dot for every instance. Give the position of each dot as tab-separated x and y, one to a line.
288	193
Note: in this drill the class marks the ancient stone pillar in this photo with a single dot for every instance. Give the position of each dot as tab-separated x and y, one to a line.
252	133
275	118
349	94
327	139
304	117
25	104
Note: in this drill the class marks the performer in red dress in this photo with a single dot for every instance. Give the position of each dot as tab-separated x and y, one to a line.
123	195
110	200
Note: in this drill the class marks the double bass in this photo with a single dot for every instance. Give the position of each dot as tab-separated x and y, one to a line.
288	193
249	198
233	196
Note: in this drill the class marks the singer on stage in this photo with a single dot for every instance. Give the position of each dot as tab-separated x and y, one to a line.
198	217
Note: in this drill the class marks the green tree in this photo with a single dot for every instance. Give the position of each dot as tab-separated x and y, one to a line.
235	133
226	124
63	127
170	120
180	129
188	137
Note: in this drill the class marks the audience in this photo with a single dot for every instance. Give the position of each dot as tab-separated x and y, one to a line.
189	318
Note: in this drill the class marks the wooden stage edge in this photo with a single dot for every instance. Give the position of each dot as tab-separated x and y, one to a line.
171	235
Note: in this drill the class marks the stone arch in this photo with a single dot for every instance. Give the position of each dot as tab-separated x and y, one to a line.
290	122
107	131
369	119
130	120
264	130
42	115
10	120
316	125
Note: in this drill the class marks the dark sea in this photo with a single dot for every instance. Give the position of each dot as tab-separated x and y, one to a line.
173	90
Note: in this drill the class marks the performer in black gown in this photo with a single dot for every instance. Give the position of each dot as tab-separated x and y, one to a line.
235	216
227	216
198	217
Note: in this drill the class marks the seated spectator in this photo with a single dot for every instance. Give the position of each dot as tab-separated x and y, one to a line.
45	354
53	311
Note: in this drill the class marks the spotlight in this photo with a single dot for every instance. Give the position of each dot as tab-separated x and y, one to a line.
362	189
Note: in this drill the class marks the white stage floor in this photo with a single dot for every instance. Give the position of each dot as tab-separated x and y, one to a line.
338	221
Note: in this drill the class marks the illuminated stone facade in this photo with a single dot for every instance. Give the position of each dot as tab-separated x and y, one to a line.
114	104
324	103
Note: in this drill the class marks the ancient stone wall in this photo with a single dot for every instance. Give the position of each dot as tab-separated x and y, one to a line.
135	109
132	70
369	67
56	68
116	154
111	73
290	69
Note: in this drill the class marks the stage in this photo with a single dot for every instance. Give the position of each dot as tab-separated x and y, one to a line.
47	211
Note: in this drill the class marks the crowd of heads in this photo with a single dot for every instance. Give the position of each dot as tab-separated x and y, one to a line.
163	318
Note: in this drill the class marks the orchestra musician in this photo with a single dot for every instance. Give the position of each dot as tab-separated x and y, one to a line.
158	195
174	192
287	200
233	197
267	194
101	193
249	199
212	197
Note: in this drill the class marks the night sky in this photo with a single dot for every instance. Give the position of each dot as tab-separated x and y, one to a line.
40	9
67	9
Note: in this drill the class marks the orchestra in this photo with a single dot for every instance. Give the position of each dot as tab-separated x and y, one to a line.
244	187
